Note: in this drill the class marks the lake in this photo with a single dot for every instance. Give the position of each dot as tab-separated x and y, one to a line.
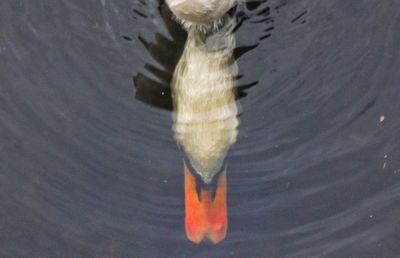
89	165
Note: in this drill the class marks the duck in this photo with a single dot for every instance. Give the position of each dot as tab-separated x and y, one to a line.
205	112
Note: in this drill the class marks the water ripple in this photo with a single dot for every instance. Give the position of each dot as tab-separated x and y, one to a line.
87	170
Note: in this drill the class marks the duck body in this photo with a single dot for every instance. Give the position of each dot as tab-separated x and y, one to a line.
204	100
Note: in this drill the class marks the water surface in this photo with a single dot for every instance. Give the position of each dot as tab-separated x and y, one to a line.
90	168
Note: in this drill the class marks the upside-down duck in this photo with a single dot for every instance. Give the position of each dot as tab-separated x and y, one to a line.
205	112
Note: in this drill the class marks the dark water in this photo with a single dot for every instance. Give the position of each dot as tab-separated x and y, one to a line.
88	170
